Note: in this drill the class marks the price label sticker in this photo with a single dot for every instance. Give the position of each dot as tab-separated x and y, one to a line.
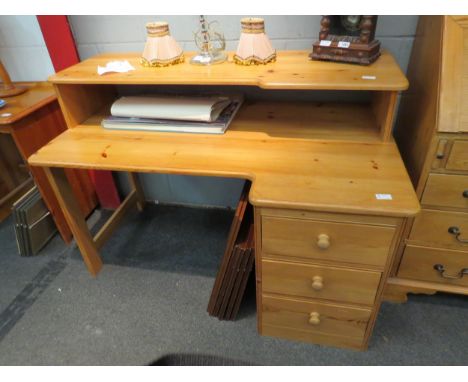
344	44
383	196
325	43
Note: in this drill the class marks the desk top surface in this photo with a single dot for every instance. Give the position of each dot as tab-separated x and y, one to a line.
292	70
37	95
287	168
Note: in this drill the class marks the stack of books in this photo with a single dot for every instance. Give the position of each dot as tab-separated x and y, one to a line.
237	264
202	115
34	225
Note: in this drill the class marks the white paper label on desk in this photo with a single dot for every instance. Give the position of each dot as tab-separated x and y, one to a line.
116	67
325	43
369	77
383	196
344	44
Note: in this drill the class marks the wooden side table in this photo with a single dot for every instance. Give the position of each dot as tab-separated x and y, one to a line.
31	120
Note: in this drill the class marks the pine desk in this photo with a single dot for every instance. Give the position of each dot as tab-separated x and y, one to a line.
325	239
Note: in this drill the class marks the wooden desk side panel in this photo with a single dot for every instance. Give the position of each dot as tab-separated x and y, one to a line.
32	133
417	117
79	102
383	106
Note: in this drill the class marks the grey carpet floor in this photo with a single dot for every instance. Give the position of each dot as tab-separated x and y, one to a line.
150	300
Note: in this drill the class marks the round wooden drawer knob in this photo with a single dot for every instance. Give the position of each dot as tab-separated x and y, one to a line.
314	318
317	283
323	241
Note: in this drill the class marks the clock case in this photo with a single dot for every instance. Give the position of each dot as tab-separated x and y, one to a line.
363	49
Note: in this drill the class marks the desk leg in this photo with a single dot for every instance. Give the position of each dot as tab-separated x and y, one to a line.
136	185
75	219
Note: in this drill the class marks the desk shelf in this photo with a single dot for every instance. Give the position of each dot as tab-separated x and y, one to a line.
290	120
83	93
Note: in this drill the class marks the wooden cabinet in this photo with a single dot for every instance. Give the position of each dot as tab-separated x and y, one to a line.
31	120
432	134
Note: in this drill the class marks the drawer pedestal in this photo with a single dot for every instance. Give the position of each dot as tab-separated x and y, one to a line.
320	276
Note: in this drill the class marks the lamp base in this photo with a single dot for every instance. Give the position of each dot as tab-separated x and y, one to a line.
209	58
12	91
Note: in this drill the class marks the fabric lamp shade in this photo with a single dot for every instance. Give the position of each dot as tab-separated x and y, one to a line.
254	45
161	49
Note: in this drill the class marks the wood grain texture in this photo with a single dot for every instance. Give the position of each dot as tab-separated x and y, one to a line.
339	284
383	105
75	219
430	228
313	337
135	183
79	102
115	219
446	191
350	243
430	136
418	263
458	159
333	319
292	70
417	115
287	168
36	130
453	116
38	95
331	217
258	265
397	289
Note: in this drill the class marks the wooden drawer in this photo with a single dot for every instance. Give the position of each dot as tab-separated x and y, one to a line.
351	243
431	229
418	263
458	158
315	316
313	337
321	282
446	191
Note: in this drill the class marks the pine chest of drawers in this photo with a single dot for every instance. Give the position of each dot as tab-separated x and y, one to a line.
432	134
321	275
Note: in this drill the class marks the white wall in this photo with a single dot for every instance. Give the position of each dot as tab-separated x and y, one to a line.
22	49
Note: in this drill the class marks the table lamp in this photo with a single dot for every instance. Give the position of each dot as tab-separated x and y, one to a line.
7	89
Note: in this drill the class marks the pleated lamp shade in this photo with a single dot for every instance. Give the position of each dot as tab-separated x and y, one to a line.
161	49
254	45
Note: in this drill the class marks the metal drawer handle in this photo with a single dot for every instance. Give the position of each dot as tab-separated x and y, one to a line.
456	231
441	269
465	194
